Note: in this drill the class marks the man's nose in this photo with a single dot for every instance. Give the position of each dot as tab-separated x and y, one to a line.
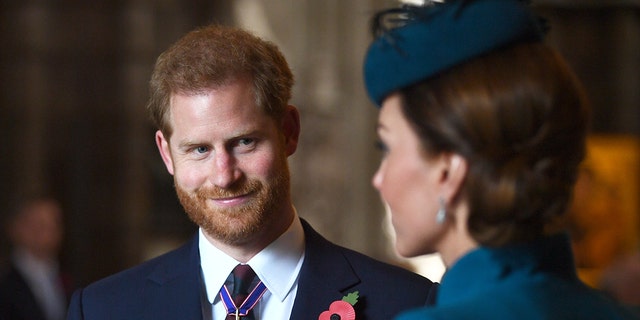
225	171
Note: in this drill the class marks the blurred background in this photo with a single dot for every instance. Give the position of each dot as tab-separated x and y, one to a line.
74	75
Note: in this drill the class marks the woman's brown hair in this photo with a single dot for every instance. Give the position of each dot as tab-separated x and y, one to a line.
520	118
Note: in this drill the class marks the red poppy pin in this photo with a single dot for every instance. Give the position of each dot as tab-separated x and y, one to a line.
341	309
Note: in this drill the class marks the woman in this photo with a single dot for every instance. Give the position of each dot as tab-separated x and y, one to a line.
483	128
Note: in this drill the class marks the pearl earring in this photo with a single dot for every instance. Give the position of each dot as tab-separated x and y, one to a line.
441	215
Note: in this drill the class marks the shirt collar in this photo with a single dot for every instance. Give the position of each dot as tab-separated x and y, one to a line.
277	265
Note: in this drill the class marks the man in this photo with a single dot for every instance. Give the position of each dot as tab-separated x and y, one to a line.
33	288
219	97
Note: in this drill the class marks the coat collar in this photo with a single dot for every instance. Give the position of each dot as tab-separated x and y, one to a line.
513	263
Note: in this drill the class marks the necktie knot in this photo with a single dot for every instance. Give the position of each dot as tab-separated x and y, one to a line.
243	271
243	277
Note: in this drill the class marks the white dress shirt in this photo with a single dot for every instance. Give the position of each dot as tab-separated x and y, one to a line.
277	265
44	281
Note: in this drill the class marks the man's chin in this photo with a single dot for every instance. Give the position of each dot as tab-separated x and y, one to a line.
231	238
232	228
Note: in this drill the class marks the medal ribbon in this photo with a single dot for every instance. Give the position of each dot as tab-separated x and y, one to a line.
246	306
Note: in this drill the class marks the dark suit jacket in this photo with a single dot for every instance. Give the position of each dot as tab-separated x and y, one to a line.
17	301
168	287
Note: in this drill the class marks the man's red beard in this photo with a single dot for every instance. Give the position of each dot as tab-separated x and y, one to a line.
236	225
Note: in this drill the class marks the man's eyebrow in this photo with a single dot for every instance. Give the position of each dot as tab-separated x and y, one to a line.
186	144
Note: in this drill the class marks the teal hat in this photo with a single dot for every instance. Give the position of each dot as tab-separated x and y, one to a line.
438	36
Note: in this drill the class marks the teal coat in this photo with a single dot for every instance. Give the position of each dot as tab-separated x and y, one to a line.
532	281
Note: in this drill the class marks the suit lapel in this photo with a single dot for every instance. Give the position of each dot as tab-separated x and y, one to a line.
325	276
174	287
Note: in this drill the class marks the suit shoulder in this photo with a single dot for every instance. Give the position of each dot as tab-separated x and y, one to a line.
389	284
366	267
376	268
129	279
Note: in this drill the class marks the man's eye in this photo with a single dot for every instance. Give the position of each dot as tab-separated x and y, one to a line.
201	149
246	142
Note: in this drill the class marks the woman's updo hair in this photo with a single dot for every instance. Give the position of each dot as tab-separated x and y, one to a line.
520	118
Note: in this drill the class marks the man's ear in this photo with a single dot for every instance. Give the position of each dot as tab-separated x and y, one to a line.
165	151
291	129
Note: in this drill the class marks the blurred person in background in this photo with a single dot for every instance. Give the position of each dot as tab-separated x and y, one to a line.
33	287
483	127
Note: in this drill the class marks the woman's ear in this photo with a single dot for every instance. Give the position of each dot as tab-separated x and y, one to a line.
456	171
